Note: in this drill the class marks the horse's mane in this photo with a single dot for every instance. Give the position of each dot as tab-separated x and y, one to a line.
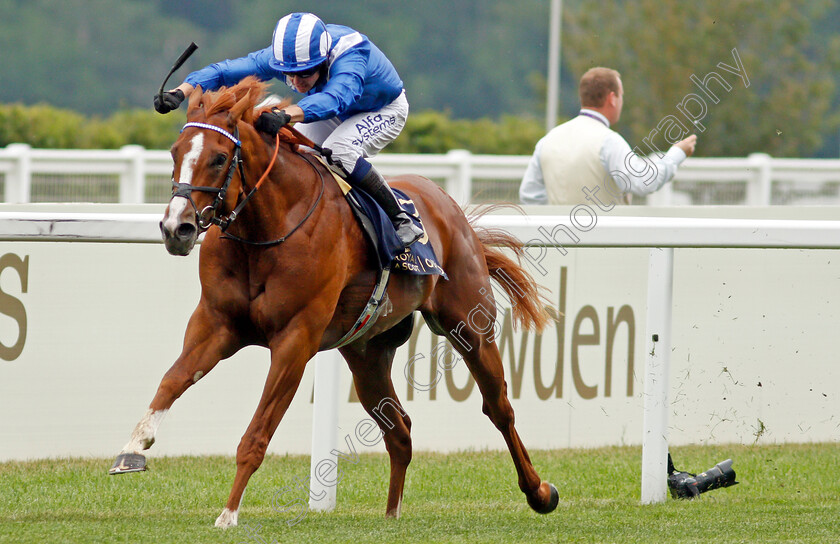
214	102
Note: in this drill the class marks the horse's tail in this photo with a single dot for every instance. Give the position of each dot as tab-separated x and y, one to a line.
530	307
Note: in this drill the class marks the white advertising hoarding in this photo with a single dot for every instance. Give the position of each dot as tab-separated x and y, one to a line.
88	329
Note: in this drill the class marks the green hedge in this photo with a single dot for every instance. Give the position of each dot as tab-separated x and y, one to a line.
434	132
44	126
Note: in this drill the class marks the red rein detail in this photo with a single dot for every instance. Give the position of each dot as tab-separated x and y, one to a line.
271	163
293	137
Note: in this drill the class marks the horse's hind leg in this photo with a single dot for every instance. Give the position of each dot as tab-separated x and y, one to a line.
457	308
371	367
205	344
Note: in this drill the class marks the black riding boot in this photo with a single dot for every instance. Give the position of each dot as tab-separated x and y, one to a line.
374	184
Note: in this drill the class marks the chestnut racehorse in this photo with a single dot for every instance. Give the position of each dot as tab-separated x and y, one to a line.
301	290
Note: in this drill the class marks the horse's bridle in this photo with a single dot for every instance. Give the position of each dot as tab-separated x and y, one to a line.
211	215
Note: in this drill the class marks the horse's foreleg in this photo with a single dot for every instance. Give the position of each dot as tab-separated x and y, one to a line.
289	356
205	344
371	367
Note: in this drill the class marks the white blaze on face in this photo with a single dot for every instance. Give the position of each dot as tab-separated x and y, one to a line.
188	163
191	158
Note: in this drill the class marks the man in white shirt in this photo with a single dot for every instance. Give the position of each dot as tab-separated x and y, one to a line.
584	161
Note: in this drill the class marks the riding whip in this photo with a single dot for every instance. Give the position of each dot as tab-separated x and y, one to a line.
181	60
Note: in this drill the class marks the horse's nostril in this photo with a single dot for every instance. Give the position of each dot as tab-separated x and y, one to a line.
185	230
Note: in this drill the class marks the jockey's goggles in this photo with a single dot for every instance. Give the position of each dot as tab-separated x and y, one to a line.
304	73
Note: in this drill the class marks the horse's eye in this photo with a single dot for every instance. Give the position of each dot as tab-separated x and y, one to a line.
219	160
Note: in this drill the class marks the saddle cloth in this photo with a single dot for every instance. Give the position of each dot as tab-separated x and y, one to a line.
418	259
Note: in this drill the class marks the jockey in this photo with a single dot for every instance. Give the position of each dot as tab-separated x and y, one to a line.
354	101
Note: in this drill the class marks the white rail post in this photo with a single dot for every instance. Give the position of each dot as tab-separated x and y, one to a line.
18	186
133	180
664	196
324	431
657	375
759	189
459	186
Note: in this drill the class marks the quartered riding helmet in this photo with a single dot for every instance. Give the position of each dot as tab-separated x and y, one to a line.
300	43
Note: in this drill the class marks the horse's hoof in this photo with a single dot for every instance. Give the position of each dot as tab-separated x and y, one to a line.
552	503
228	518
128	462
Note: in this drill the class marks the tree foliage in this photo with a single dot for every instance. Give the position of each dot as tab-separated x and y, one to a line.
785	107
482	60
93	56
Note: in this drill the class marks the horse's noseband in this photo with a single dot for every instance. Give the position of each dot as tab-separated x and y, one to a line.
210	215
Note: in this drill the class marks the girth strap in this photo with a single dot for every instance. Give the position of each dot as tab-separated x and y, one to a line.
370	314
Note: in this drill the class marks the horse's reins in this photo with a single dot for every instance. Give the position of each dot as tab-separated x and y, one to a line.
205	222
225	223
278	241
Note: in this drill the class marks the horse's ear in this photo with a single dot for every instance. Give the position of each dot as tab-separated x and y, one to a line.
240	108
195	98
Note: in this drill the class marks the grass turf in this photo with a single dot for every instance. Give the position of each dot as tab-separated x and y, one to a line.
787	493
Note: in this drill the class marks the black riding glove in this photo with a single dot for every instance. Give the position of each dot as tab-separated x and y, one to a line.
171	101
272	121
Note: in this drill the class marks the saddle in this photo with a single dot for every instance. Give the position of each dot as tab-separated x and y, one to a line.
417	259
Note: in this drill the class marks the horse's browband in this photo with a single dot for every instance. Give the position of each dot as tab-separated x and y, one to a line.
220	130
